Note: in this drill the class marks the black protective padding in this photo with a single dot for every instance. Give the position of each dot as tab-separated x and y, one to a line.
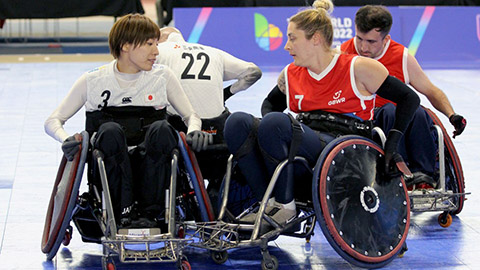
276	101
407	101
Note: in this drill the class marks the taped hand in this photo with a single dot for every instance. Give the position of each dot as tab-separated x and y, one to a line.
70	147
199	140
459	123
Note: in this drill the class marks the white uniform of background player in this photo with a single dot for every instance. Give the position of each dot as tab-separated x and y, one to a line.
202	71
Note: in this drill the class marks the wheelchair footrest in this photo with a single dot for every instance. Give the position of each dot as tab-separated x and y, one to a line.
159	248
433	200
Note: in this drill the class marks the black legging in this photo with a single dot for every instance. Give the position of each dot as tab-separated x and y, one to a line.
272	147
141	175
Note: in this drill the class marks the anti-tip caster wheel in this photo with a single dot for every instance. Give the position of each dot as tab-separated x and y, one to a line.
219	257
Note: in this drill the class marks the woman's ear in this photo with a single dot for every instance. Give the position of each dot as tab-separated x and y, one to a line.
317	38
126	47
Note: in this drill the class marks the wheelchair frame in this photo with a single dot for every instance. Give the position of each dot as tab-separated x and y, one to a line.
219	236
130	245
448	201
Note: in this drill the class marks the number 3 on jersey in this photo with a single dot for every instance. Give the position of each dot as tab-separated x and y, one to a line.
300	98
201	75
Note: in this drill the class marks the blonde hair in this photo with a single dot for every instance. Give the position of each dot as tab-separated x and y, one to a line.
316	19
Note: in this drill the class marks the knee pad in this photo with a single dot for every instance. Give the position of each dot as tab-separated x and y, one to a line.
160	138
280	125
110	139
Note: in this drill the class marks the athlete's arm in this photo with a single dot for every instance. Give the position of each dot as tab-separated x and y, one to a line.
178	99
421	83
372	76
246	73
276	101
70	105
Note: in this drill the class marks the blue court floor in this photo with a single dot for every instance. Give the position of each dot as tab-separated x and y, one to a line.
29	159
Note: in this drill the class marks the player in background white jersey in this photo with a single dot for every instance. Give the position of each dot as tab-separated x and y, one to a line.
202	71
125	103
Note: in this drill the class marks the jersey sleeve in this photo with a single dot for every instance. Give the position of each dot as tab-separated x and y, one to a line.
246	73
178	99
69	106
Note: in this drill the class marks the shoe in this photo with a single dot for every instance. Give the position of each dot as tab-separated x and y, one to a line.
421	180
125	222
144	223
250	217
282	215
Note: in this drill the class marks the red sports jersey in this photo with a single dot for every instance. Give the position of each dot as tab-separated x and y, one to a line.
393	57
333	90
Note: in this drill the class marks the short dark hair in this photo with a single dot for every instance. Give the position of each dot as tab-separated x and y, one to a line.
135	29
373	17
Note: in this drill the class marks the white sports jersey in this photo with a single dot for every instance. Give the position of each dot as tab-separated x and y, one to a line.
202	70
106	86
148	89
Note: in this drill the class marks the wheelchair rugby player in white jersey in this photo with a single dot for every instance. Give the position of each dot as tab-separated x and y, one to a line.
202	71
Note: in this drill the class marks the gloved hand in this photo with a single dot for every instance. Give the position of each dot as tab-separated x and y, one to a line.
70	147
458	123
199	140
390	150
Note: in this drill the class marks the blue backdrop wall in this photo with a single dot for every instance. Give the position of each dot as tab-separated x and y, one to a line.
438	36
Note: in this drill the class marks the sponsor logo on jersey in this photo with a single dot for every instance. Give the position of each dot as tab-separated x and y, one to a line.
337	99
126	100
149	98
268	36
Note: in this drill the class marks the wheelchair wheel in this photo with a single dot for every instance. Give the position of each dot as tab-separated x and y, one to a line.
454	179
64	196
362	215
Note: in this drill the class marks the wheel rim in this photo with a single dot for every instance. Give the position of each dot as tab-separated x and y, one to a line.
366	217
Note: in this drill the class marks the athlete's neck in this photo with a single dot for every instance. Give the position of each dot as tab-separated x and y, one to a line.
322	62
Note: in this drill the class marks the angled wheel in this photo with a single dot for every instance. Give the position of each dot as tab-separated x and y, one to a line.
206	209
63	199
364	217
454	179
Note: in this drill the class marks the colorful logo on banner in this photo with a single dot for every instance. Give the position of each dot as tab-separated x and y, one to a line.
268	36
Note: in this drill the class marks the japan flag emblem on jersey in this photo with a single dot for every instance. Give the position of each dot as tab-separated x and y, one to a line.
149	98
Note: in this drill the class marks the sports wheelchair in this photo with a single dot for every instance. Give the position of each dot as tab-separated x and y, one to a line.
448	196
364	216
93	215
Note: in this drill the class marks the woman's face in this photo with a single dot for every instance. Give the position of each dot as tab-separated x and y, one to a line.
298	46
141	57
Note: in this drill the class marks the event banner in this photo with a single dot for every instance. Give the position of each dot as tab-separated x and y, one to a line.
438	36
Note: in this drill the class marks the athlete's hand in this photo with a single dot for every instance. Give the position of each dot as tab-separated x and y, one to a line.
70	147
199	140
391	146
459	123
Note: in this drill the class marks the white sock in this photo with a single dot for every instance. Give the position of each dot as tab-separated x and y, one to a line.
271	201
290	205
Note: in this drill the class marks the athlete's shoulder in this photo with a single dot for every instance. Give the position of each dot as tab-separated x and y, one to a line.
99	69
395	46
348	46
